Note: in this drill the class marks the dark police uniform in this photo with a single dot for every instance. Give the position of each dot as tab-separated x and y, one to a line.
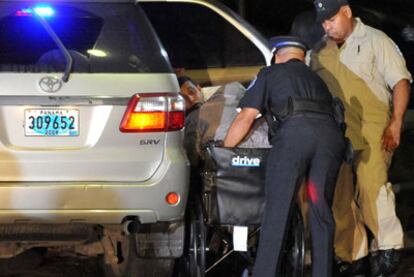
307	143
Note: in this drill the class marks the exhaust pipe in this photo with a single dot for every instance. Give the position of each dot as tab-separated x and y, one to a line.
131	227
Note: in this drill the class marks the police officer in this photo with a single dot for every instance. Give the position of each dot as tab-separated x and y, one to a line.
307	142
364	67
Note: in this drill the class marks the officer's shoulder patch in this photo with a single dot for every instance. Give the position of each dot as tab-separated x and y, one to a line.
252	83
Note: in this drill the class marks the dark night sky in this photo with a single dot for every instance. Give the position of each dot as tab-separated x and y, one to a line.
271	17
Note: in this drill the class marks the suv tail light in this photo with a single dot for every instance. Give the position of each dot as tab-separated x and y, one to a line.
154	113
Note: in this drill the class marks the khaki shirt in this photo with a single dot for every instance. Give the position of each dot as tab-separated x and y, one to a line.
362	72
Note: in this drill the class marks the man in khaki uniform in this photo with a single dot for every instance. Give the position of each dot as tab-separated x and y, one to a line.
364	67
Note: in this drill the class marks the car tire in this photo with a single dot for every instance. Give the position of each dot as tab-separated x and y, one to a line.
131	265
193	261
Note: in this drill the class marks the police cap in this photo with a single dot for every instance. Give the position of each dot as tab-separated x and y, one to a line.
279	42
326	9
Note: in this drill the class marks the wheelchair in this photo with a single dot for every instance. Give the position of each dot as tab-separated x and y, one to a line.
215	207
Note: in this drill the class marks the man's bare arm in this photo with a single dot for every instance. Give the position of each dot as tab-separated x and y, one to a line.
401	97
240	127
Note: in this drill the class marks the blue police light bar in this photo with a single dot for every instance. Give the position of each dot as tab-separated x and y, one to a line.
24	12
44	11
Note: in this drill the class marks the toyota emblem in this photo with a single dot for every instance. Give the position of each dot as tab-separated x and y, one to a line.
50	84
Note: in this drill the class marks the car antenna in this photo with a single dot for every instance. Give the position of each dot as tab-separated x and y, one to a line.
55	38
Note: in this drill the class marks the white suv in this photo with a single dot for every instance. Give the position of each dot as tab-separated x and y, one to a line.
90	135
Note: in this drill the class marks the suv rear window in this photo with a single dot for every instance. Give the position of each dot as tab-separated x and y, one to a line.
101	37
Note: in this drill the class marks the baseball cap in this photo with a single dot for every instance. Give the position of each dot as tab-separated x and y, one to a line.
326	9
287	41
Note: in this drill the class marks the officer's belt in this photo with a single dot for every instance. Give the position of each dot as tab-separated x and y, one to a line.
300	106
304	106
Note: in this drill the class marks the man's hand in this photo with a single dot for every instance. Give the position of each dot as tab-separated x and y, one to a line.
392	134
240	126
401	97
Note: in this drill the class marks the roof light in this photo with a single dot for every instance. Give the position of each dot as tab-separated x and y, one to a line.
24	12
44	11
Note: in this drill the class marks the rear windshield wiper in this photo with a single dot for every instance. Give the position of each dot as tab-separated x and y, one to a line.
56	39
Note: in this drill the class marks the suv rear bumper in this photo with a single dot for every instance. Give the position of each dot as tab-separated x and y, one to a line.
97	202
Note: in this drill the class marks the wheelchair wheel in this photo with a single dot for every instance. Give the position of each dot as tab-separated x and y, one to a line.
193	262
294	252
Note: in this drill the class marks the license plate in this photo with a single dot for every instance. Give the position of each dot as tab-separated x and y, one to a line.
51	122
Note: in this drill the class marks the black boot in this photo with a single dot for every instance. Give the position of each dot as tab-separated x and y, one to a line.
384	263
358	268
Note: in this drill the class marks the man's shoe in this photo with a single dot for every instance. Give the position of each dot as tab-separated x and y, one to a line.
384	263
356	268
342	269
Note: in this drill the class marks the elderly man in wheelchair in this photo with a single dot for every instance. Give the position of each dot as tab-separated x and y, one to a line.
225	208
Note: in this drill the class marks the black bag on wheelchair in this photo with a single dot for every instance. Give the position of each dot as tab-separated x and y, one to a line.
233	182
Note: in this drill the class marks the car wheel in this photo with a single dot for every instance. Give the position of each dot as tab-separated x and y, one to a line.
193	262
294	251
131	265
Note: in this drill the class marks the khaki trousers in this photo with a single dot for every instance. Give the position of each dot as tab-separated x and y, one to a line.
364	199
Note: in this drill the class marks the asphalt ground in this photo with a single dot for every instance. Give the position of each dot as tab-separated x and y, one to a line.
64	266
69	266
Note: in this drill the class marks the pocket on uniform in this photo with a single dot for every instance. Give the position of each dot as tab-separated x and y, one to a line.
362	66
